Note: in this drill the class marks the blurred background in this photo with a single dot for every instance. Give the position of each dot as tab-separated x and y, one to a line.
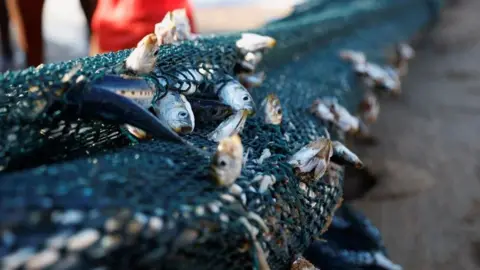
65	31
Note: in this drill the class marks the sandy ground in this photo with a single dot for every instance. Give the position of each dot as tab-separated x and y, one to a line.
430	138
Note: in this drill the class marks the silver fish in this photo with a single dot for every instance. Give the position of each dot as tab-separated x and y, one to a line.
232	125
328	109
272	109
226	164
250	42
405	51
172	109
312	158
182	25
345	156
165	30
175	110
386	77
233	94
132	88
142	59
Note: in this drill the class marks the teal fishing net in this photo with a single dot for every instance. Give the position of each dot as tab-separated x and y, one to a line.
83	190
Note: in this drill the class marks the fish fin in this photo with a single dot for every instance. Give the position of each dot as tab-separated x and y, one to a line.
320	169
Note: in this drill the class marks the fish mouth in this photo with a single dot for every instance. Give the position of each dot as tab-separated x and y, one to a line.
100	102
245	114
250	109
271	43
183	129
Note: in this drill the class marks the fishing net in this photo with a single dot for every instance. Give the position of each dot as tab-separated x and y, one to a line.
85	194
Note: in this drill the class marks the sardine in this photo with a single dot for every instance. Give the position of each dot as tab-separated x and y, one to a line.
250	42
142	59
233	94
165	30
405	51
182	25
175	110
313	157
104	100
328	109
172	109
344	156
272	110
133	88
386	78
227	162
232	125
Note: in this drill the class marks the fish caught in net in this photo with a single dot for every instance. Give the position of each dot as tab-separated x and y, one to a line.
95	175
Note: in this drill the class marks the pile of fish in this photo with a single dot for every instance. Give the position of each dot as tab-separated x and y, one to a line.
175	112
183	105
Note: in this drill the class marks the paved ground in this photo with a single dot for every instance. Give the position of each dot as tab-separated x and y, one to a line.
430	138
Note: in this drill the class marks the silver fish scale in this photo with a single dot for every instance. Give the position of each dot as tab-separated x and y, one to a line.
152	204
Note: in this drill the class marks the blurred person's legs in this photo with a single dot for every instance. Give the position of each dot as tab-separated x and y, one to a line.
88	7
28	15
7	52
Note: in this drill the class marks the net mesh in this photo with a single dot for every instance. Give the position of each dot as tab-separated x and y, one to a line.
102	199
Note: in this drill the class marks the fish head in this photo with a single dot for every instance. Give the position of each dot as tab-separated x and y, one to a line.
142	59
179	17
165	30
176	111
273	109
250	42
235	95
227	162
405	51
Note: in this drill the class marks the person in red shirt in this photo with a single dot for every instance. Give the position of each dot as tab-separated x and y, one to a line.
121	24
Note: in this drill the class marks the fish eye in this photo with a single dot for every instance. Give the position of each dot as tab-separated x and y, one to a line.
183	114
246	98
279	111
222	163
